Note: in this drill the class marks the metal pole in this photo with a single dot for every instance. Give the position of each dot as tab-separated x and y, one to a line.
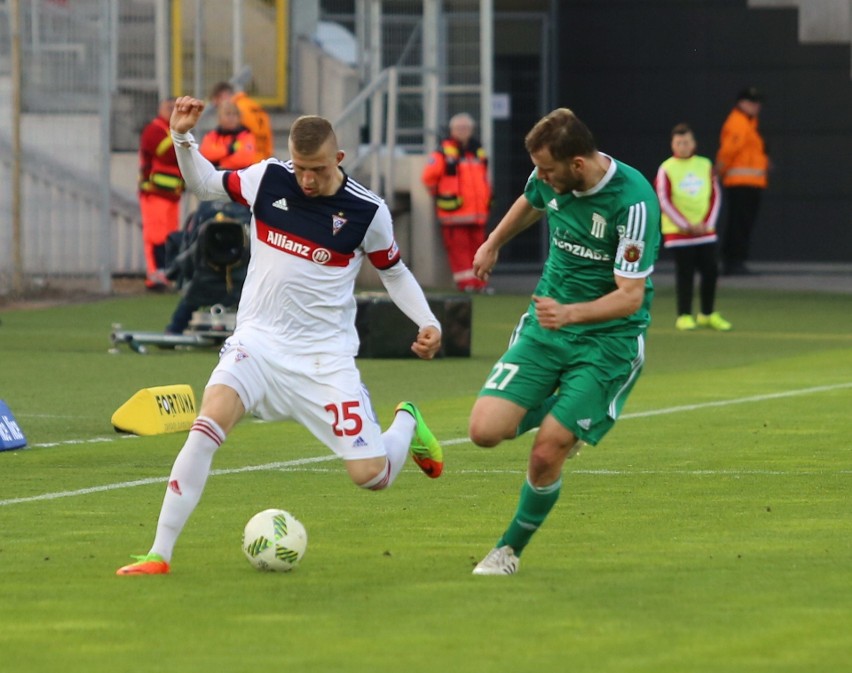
105	85
237	54
17	241
390	136
161	50
362	35
431	81
486	73
376	112
198	56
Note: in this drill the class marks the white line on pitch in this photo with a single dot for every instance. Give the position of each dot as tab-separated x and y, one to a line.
158	480
449	442
739	400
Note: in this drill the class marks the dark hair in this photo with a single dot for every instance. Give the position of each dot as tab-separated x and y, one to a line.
563	134
681	129
750	93
219	88
309	132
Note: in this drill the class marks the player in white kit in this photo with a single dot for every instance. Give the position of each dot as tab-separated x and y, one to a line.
292	354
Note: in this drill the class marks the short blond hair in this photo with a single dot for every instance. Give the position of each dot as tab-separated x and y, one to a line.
310	132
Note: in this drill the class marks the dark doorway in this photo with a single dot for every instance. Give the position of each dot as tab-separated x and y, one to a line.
522	78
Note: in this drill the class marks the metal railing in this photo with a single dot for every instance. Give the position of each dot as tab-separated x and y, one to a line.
382	94
61	222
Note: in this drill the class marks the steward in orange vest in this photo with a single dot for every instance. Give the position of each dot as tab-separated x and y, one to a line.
457	176
742	160
742	163
256	120
252	116
230	146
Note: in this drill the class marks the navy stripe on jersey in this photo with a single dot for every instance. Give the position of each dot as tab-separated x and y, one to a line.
329	227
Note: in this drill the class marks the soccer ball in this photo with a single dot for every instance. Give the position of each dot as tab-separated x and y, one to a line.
274	540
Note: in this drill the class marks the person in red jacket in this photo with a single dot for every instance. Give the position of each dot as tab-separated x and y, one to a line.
230	145
160	190
457	176
742	163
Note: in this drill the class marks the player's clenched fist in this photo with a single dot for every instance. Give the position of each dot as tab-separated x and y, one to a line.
186	113
428	343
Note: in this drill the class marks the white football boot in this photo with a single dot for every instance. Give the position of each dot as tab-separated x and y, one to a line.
499	561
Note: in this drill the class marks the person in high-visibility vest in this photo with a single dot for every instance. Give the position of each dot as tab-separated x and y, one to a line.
230	145
160	188
252	116
742	164
457	176
690	197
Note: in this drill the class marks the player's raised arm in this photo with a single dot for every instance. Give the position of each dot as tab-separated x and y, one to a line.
201	177
186	114
520	216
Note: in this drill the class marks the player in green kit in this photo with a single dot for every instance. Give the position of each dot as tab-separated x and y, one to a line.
578	351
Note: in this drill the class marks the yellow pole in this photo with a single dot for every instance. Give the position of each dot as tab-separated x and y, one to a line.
177	49
283	51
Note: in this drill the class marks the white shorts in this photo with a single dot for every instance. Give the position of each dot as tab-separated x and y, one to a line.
322	392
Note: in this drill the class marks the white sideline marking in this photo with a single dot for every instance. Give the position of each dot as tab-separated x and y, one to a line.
740	400
163	480
450	442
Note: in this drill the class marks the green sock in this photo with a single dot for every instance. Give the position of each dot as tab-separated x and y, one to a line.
534	417
534	506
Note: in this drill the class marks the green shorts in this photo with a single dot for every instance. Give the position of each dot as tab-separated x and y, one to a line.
592	375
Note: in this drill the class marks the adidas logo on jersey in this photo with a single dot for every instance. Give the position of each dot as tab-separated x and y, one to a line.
585	423
280	203
359	443
552	204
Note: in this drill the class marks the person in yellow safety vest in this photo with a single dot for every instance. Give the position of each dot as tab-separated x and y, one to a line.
252	116
742	163
160	188
689	195
457	176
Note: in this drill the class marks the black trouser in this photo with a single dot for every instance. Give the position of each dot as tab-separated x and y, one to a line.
688	260
743	205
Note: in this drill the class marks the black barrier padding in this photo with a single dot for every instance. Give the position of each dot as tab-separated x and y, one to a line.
386	332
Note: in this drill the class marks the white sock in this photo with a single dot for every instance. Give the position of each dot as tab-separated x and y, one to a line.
186	483
397	439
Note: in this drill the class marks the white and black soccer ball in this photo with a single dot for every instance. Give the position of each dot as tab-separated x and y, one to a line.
274	540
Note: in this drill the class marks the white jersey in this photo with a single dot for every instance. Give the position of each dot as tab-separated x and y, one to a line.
305	256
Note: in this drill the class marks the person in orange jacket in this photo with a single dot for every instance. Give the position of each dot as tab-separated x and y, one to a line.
742	163
230	145
160	188
457	176
252	116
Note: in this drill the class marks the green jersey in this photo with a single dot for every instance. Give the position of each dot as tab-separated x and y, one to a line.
613	228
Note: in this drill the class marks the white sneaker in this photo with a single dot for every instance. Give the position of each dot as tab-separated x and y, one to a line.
500	561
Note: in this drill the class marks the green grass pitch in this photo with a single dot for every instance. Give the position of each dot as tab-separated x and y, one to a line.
709	532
